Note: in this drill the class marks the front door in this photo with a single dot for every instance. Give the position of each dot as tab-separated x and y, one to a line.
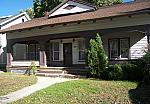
67	51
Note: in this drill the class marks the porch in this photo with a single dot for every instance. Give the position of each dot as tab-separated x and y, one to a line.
64	52
69	50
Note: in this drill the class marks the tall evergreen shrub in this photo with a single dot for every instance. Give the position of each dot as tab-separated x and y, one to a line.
96	58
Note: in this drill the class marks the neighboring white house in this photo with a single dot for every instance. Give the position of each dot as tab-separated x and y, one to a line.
5	22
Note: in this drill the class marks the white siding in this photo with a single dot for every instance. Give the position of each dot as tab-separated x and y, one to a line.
139	48
14	22
79	8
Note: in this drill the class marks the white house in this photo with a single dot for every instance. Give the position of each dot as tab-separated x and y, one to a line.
5	22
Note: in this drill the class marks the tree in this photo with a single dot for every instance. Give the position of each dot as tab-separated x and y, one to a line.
104	2
40	7
30	12
37	9
96	57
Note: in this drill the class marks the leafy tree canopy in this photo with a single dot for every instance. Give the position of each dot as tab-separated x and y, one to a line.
104	2
29	11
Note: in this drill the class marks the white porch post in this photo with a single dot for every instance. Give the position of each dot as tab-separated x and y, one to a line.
42	61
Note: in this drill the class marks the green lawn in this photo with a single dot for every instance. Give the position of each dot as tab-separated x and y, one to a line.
12	82
86	91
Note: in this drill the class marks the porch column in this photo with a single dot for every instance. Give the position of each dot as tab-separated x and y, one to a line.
42	61
9	54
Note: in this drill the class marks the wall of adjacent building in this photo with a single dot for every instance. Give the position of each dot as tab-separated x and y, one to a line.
3	40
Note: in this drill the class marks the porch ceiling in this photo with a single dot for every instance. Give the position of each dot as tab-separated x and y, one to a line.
84	34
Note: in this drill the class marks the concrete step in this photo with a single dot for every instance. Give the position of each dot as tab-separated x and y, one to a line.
60	75
51	71
65	72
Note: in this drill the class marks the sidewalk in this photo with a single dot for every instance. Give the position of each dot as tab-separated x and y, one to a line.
42	83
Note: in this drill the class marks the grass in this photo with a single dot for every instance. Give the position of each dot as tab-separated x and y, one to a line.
12	82
86	91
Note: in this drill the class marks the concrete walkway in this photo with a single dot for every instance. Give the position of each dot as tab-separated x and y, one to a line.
42	82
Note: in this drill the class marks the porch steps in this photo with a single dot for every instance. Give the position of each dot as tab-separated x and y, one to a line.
62	72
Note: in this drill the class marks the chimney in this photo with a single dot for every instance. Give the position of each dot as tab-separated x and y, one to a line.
46	14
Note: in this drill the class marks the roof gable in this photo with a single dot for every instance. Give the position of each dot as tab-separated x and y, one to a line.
70	7
4	20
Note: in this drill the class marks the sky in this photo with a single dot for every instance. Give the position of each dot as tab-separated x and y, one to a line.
12	7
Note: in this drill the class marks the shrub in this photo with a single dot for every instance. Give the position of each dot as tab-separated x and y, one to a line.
33	67
96	58
132	72
146	59
116	72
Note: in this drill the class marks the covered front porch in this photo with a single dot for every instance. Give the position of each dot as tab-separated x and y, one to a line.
69	49
47	52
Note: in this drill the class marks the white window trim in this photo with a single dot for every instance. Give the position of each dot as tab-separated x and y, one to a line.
56	51
119	55
110	50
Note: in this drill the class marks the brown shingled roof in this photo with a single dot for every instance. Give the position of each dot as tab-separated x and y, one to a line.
103	12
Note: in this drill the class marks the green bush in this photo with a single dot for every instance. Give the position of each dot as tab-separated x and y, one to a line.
146	59
33	67
116	72
96	58
132	72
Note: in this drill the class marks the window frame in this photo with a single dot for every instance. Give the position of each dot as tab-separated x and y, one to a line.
81	50
119	48
35	51
56	51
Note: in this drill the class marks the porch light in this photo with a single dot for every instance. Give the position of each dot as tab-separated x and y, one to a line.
74	40
60	41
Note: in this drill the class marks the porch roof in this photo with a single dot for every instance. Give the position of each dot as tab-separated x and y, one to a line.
101	13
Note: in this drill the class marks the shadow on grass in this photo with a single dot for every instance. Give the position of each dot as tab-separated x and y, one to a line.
140	95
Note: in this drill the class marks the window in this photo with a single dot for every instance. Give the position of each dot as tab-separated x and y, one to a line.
113	44
33	51
69	7
119	48
22	20
124	48
55	51
81	50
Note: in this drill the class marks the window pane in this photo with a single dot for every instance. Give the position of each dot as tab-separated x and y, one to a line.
56	46
124	48
56	55
113	48
81	44
56	51
81	55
